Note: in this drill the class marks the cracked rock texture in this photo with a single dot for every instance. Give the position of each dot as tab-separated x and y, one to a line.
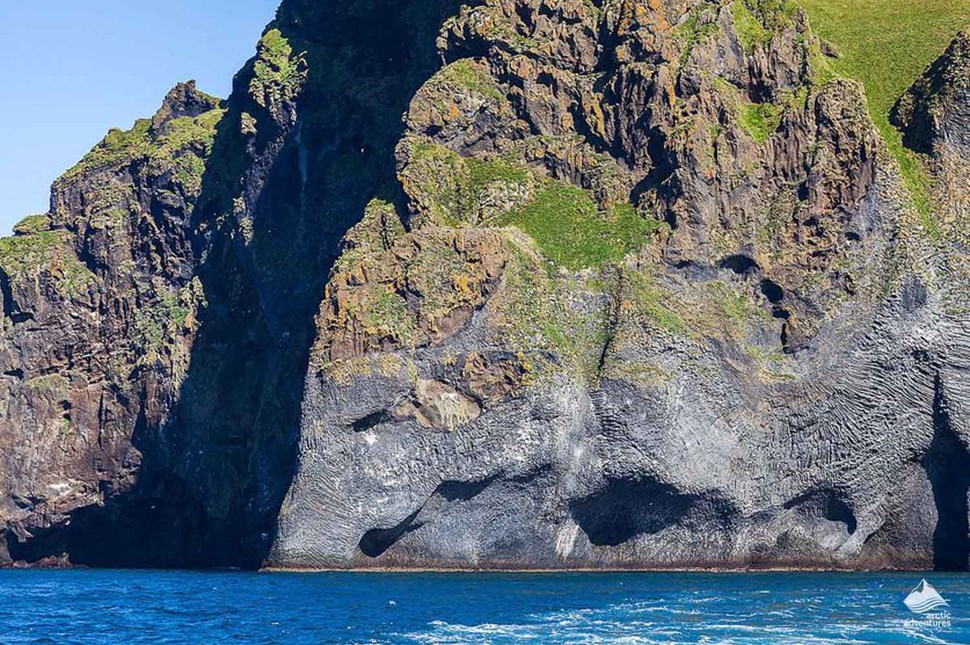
631	285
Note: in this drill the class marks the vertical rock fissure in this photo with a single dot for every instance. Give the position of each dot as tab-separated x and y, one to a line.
947	465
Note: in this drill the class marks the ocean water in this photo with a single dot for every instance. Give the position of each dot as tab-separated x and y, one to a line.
86	606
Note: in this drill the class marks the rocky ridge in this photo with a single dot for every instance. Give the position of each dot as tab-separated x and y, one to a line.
633	285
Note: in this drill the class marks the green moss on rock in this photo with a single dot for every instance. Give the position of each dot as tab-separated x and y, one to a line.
447	189
23	257
757	22
278	72
472	76
161	322
184	147
118	147
694	31
760	120
32	224
571	231
645	300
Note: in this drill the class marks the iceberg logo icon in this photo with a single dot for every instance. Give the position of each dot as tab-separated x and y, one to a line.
924	598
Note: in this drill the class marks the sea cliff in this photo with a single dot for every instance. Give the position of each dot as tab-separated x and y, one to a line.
531	284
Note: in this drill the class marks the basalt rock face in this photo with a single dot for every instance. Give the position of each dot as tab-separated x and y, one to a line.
179	451
630	285
770	377
101	306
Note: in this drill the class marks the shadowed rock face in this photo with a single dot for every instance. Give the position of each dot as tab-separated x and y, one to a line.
192	467
935	113
631	285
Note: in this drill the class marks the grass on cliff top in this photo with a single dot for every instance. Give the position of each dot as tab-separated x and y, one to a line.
184	134
118	146
887	45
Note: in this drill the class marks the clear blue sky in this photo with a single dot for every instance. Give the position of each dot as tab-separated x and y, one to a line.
72	69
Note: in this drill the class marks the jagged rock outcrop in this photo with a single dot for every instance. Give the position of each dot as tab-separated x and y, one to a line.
632	284
935	112
935	119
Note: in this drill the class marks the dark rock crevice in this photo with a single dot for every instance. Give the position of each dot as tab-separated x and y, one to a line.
826	504
947	464
378	541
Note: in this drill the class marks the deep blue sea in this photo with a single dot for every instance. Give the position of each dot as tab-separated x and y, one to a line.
85	606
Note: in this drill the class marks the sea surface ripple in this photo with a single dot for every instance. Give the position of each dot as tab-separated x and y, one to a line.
91	606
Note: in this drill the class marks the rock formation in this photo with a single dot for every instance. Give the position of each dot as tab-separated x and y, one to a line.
631	285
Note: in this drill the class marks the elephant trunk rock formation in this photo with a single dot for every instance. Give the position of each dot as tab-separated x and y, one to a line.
631	285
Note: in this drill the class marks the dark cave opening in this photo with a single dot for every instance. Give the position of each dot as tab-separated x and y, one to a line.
838	511
947	465
828	504
740	264
134	541
371	421
772	291
627	509
376	542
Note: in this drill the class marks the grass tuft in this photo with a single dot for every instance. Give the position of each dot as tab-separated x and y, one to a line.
760	120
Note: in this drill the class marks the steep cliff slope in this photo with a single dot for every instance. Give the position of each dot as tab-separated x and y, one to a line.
100	305
632	284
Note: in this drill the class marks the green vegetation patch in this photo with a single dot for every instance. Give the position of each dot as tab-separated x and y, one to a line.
449	189
758	21
118	147
24	256
566	224
651	301
887	45
278	73
484	172
437	180
471	76
541	312
32	224
184	146
694	31
760	120
162	322
564	220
